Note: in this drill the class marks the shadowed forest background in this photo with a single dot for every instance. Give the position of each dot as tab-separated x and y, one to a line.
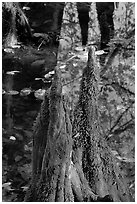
68	93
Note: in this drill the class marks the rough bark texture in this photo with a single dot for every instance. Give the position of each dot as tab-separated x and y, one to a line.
17	17
11	38
84	170
98	163
52	165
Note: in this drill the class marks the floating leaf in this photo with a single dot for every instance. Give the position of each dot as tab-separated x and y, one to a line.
25	188
16	46
47	81
26	8
38	79
12	92
25	91
50	74
12	72
43	35
39	94
79	49
12	138
9	50
100	52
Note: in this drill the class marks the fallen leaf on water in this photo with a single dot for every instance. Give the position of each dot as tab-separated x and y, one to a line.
12	92
12	138
26	8
49	74
38	79
12	72
16	46
9	50
25	188
25	91
39	94
44	35
100	52
79	49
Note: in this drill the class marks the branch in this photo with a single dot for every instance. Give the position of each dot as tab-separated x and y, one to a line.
124	127
117	85
119	118
110	59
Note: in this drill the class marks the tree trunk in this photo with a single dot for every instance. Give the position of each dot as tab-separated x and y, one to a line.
11	38
86	172
71	158
98	164
17	17
94	29
124	20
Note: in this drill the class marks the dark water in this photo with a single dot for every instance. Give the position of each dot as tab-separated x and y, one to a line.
19	111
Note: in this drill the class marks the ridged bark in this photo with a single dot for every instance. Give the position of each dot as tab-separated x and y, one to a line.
88	171
98	164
